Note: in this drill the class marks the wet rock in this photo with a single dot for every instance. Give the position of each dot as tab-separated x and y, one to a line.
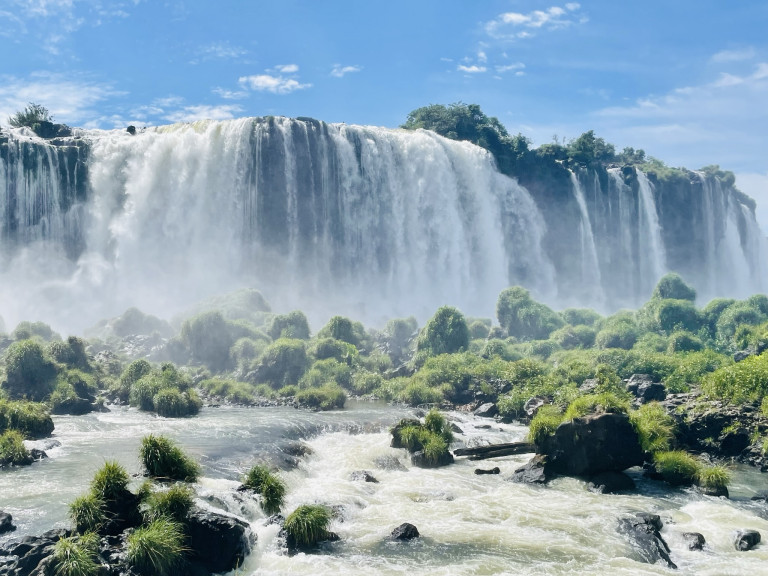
733	443
611	483
30	552
131	130
593	444
391	463
533	472
420	460
645	389
491	471
744	540
455	428
6	523
73	406
122	513
714	490
487	410
363	476
217	542
532	406
588	385
405	531
643	531
694	540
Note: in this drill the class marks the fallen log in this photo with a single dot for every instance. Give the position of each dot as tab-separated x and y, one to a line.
494	450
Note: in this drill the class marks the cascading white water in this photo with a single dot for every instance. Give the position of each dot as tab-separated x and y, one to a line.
591	278
363	221
651	249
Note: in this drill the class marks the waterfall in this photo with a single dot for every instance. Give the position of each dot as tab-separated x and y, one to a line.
653	262
591	279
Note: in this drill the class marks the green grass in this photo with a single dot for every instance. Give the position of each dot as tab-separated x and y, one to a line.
308	524
271	488
174	503
327	397
655	428
110	482
12	450
33	419
88	513
717	476
76	556
544	423
596	403
163	459
435	448
157	549
677	467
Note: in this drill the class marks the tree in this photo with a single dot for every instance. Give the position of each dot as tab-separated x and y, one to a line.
588	149
521	316
674	287
30	373
445	333
31	116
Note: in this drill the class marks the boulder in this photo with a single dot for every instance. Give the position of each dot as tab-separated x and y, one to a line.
363	476
405	531
487	410
122	513
420	460
532	406
611	482
6	523
491	471
73	406
643	531
30	552
593	444
217	542
694	540
744	540
533	472
714	490
645	389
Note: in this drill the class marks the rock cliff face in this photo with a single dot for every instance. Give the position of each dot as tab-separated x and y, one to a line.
357	220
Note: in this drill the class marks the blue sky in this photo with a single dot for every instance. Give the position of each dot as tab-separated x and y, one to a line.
685	80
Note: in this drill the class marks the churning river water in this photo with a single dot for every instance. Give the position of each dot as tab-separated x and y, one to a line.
469	524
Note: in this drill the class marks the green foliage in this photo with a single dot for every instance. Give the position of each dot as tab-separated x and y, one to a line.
163	459
631	156
581	317
34	330
337	349
209	337
291	325
445	333
682	341
716	476
588	150
230	390
327	397
283	362
134	321
245	351
479	329
655	428
76	556
677	467
173	503
70	352
308	524
365	382
544	423
618	331
32	419
143	392
399	334
29	372
606	402
673	287
30	116
271	488
341	328
12	450
329	371
156	549
172	403
435	448
738	313
110	482
570	337
745	381
132	374
88	513
671	315
522	317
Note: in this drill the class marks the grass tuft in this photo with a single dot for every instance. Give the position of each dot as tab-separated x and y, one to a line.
110	482
677	467
717	476
157	549
76	556
308	524
163	459
88	512
12	449
271	488
173	503
544	423
655	428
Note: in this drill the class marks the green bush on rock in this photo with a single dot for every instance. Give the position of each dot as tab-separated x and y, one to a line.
156	549
677	467
76	556
163	459
269	486
12	450
308	525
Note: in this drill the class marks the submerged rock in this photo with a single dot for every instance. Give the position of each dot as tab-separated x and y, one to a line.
405	531
611	482
491	471
363	476
533	472
217	542
6	523
694	540
744	540
644	532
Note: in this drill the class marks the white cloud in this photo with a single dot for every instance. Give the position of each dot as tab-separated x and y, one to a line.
287	68
204	112
512	25
219	51
230	94
482	56
733	55
339	71
70	99
273	84
510	67
471	69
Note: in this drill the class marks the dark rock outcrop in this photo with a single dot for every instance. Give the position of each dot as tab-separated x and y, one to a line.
405	531
532	406
593	444
533	472
491	471
420	459
6	523
645	389
644	532
611	482
23	557
694	540
363	476
217	542
487	410
744	540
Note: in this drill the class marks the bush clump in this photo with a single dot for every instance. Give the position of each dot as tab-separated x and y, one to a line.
522	317
445	333
544	423
77	556
308	525
12	449
655	428
716	477
433	436
606	402
30	373
327	397
174	503
32	419
157	549
164	460
88	513
677	467
269	486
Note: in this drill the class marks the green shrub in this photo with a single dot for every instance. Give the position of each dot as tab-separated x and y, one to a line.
132	374
71	352
435	448
230	390
245	351
570	337
522	317
29	372
156	549
479	329
283	362
76	556
364	382
133	321
271	488
738	313
174	503
682	341
580	317
163	459
672	286
12	450
677	467
291	325
171	403
328	371
337	349
417	393
714	476
621	335
144	391
745	381
38	330
30	418
655	428
399	335
110	482
606	402
327	397
445	333
544	423
88	513
288	391
308	524
344	329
